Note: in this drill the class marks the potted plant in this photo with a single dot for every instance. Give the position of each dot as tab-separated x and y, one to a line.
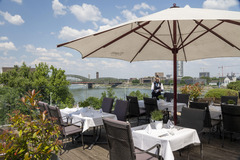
31	136
157	117
193	90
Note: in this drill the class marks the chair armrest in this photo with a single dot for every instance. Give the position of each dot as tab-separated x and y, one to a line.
158	146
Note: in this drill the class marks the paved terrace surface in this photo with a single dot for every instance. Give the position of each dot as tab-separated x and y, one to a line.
211	151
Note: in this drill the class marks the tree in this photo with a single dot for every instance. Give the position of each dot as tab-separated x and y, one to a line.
135	81
47	80
234	85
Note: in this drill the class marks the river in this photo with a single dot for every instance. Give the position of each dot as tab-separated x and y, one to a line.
81	92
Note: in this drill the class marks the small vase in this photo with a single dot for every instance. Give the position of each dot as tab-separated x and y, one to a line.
158	124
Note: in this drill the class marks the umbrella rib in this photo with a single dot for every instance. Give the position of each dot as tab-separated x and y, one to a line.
151	39
232	22
170	31
219	36
190	34
157	39
118	38
181	40
148	39
199	36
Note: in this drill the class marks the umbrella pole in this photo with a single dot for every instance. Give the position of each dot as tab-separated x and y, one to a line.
175	51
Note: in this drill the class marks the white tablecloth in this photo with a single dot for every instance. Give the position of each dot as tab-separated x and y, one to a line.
162	105
215	111
169	142
92	118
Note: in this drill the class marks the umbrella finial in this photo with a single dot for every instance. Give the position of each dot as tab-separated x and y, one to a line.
174	6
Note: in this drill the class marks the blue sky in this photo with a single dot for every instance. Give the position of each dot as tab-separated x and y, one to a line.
31	29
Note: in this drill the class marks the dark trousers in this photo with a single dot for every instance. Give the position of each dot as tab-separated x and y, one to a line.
156	95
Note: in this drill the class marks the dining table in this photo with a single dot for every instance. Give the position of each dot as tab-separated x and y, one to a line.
163	105
171	139
92	119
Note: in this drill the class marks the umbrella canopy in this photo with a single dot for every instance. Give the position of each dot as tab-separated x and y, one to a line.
173	34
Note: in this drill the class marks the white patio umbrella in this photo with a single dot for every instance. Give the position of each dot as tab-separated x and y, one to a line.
178	34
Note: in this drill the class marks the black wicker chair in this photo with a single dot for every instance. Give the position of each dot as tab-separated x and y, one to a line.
121	108
209	124
193	118
66	130
168	96
107	105
120	142
150	105
183	98
134	110
231	120
225	99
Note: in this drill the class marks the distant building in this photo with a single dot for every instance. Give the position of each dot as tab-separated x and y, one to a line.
6	69
214	83
204	74
97	75
179	68
229	79
89	76
146	80
168	76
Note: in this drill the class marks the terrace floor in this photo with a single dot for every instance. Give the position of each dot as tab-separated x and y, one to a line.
211	151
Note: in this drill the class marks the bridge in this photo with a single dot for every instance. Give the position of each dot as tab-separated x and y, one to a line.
77	79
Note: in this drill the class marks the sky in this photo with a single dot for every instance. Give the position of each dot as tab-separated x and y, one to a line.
31	29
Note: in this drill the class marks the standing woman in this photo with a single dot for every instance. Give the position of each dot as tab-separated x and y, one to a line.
156	88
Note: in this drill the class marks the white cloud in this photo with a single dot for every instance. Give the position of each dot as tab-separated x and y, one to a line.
58	8
6	46
128	15
3	38
68	54
17	1
143	6
220	4
90	64
143	13
16	19
86	12
2	23
121	7
68	33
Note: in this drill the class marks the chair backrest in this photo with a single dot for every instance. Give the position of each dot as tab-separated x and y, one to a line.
192	118
183	98
119	137
42	106
107	105
168	96
203	106
150	105
133	106
225	99
55	114
121	108
231	118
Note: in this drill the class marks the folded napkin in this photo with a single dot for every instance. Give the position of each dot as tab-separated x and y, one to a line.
148	129
169	124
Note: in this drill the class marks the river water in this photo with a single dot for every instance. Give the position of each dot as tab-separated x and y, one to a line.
81	92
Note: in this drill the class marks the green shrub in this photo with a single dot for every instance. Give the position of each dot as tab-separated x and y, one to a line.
138	94
31	136
218	92
157	115
234	85
91	101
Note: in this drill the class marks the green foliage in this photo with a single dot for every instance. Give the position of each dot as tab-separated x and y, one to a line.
135	81
157	115
234	85
193	90
91	101
47	80
138	94
230	101
95	102
30	136
218	92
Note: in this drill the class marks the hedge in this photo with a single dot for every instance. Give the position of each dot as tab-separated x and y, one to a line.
218	92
